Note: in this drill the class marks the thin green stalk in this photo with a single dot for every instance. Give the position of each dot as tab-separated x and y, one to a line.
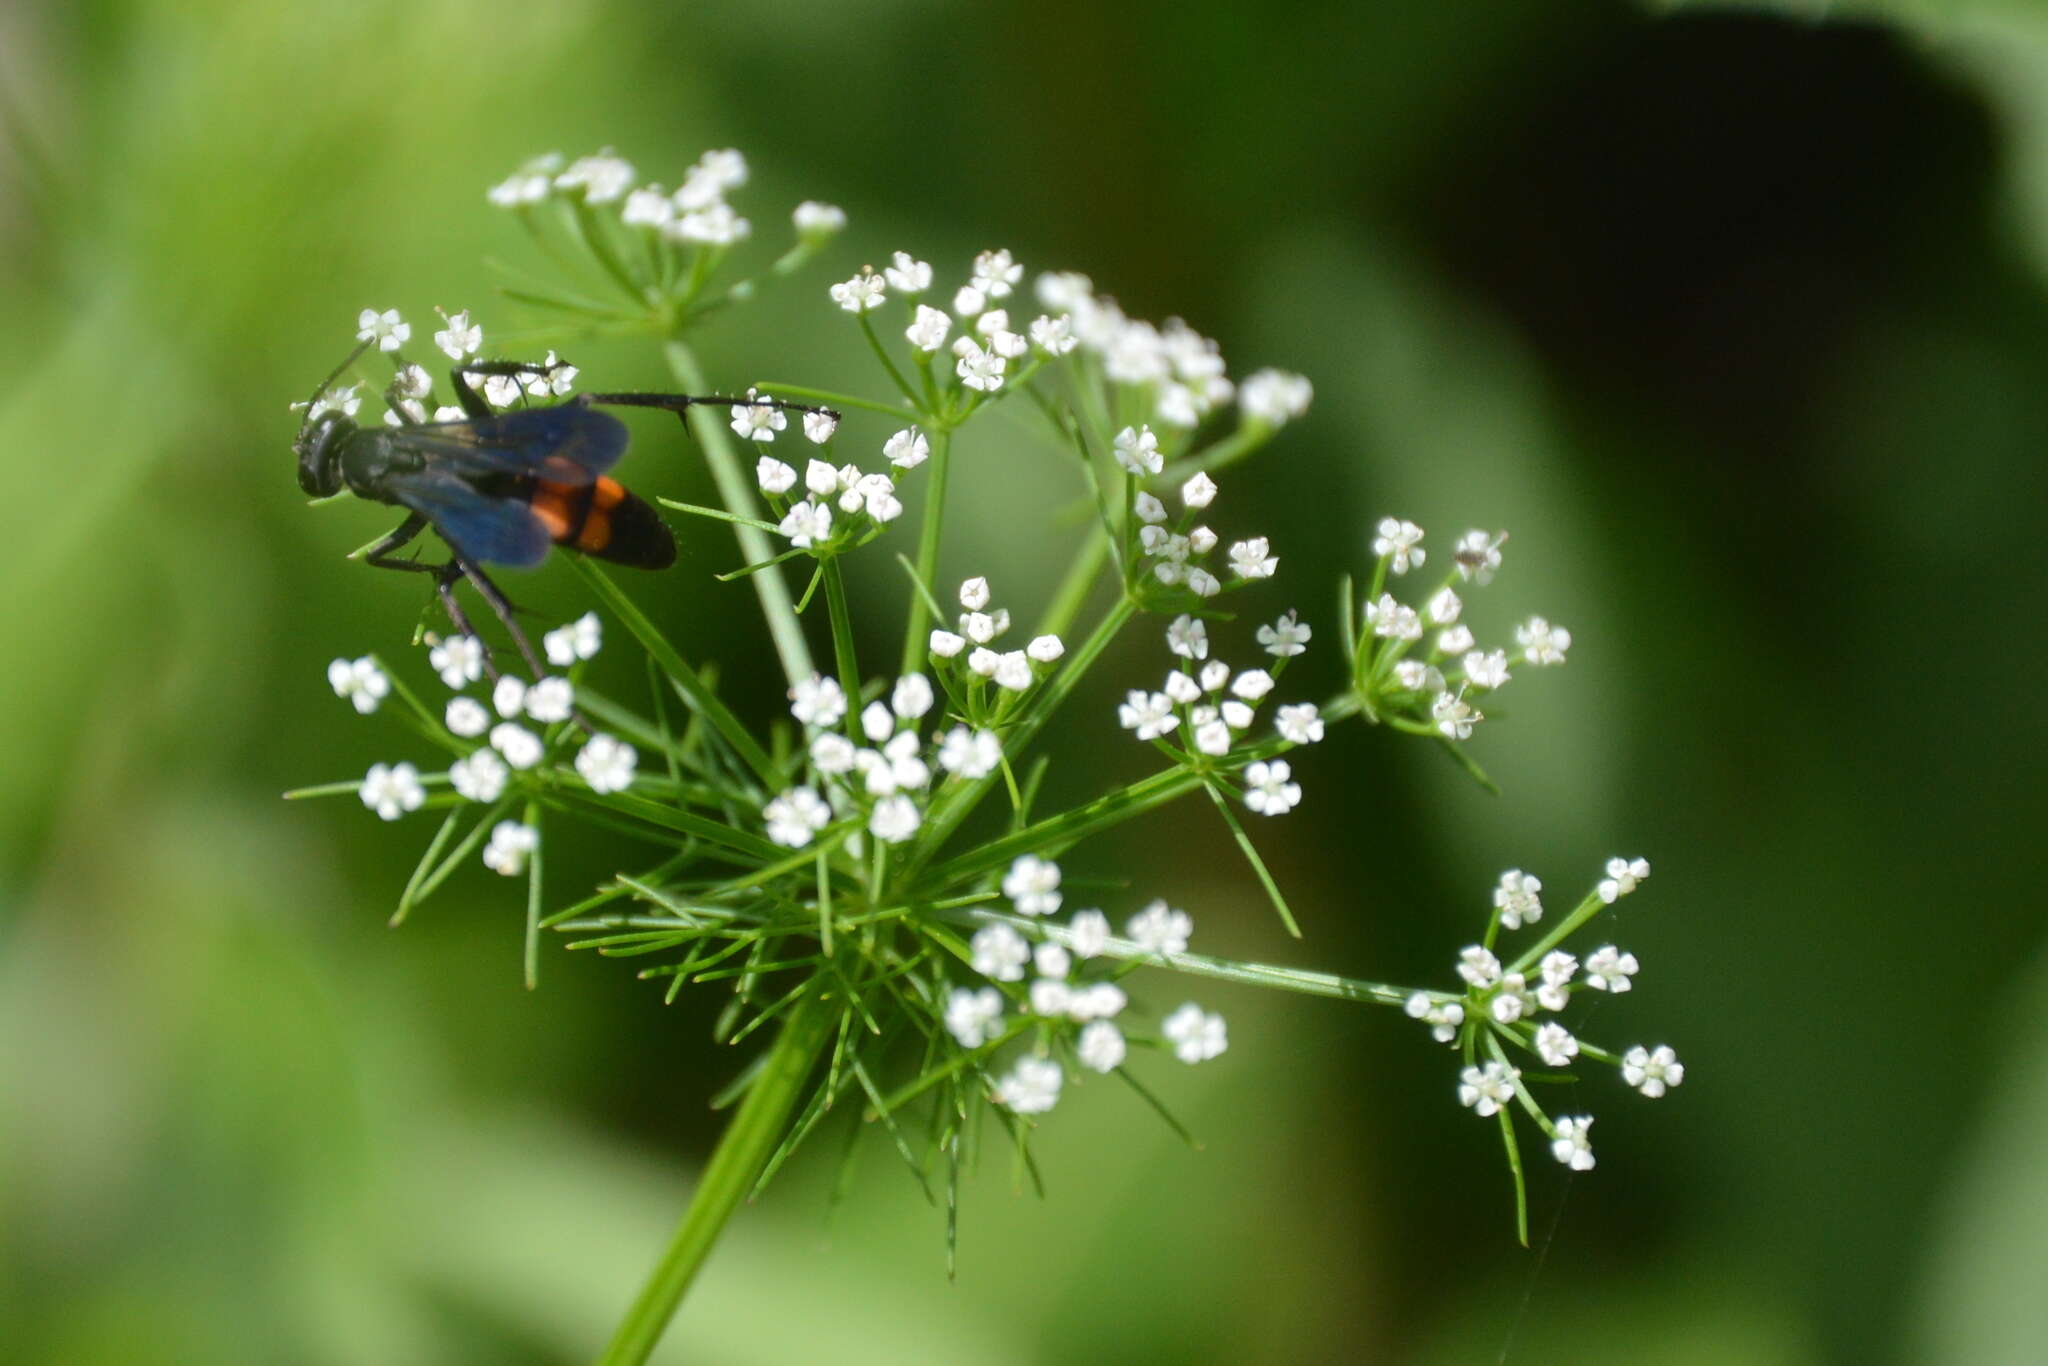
842	641
750	1139
927	550
738	497
1072	594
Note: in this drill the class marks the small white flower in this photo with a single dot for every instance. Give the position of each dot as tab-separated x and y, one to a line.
1573	1146
343	401
970	754
529	185
554	379
1651	1071
412	382
1088	933
1054	336
995	272
467	717
1542	644
1148	509
1454	716
550	700
817	701
999	953
907	449
796	816
912	696
974	595
1101	1047
1267	789
1443	607
511	843
648	207
386	329
1286	637
908	275
1213	738
758	421
1252	684
1052	960
1151	715
1478	555
1609	969
894	819
1253	559
1486	1089
520	746
877	722
360	681
1214	675
1137	450
946	645
580	639
818	427
1188	637
773	476
1196	1035
1274	396
1033	885
807	524
501	391
1517	900
1557	969
1299	723
974	1017
1199	491
1478	966
459	660
968	301
1392	619
1202	583
607	764
863	292
1622	876
1513	1000
1486	669
1455	641
983	370
1160	928
833	753
1032	1088
927	331
1181	688
814	220
1050	997
460	338
983	661
1555	1044
1013	671
602	178
1400	543
392	790
1237	715
480	777
1442	1017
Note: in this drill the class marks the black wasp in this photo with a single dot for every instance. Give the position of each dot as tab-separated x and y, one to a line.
499	487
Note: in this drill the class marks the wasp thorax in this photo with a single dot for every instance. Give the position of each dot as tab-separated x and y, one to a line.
319	450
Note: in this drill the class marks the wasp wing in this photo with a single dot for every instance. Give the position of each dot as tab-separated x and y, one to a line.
481	527
568	443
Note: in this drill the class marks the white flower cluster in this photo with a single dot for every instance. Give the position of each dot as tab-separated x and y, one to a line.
986	347
1214	708
863	503
1178	548
1013	672
605	763
1179	373
885	781
1072	1000
409	398
696	214
1444	682
1504	1004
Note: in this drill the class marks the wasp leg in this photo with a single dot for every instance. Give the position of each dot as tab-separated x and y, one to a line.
676	403
463	567
472	402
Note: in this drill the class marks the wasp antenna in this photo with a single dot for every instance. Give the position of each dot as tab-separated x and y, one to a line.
328	383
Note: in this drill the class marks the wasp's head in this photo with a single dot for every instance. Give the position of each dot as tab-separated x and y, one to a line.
318	447
322	435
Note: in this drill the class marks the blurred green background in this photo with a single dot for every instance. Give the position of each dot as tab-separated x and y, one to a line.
1737	320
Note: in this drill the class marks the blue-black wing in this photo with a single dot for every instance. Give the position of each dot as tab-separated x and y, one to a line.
567	443
493	530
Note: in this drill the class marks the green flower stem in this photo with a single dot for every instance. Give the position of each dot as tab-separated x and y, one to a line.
756	1128
1564	929
1072	594
1069	827
914	648
842	642
1201	965
738	498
